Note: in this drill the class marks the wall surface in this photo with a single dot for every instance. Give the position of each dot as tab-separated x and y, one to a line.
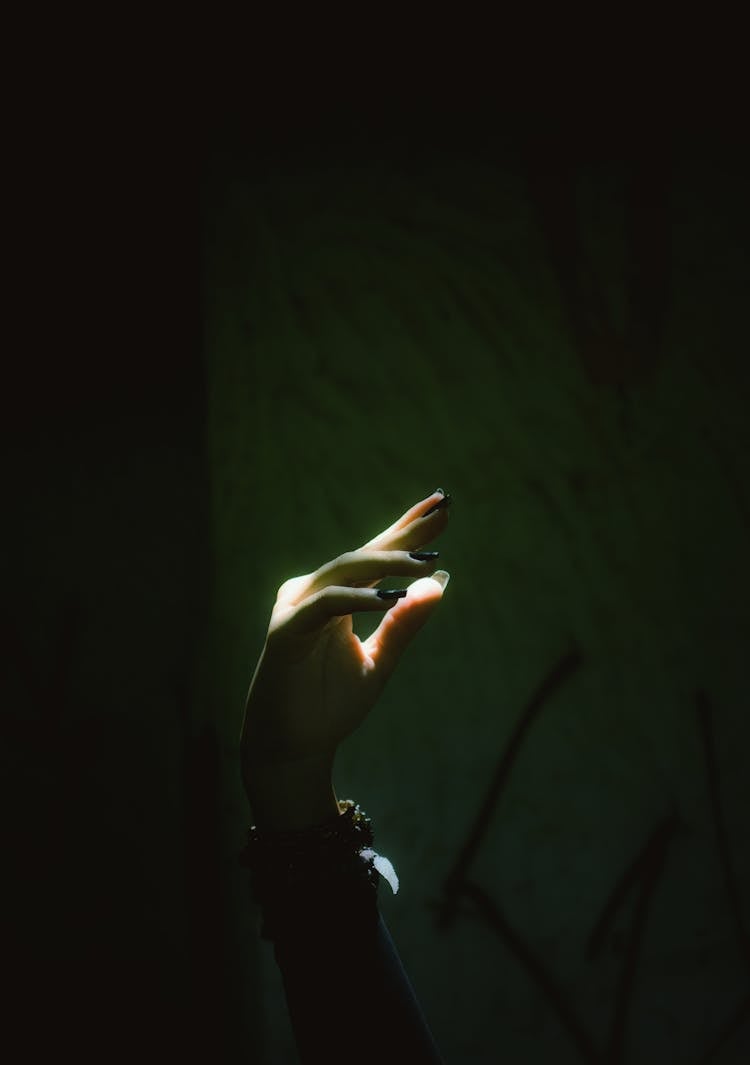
548	325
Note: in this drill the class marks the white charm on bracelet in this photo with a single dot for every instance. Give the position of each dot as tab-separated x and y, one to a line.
383	866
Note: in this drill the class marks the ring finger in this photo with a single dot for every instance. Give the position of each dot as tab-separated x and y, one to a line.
359	569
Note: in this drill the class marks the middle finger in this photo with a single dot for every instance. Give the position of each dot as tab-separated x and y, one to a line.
360	568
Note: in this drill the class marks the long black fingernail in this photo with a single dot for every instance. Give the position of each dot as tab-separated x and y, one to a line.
424	556
441	503
392	593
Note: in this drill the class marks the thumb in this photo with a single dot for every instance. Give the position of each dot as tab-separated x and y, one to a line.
403	621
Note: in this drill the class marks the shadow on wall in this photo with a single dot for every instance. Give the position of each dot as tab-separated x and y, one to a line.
462	896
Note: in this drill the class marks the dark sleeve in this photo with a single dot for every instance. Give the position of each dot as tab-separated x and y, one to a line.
350	1000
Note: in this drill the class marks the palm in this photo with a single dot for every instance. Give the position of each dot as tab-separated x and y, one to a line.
323	690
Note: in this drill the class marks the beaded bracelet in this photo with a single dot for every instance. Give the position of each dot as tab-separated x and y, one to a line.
302	869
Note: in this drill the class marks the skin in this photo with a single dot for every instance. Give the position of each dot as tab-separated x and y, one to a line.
316	681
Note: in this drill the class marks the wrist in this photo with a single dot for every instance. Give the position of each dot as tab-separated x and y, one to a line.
291	795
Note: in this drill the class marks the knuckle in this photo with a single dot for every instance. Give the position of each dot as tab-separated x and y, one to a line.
289	587
323	572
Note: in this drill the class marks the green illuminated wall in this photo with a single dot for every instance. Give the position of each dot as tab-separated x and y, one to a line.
383	319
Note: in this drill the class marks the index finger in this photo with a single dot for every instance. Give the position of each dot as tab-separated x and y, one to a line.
394	534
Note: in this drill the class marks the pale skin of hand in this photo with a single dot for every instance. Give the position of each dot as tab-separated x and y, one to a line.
316	681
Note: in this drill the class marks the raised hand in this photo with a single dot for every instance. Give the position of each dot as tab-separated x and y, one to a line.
316	681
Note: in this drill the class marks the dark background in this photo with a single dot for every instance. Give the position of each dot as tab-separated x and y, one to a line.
264	313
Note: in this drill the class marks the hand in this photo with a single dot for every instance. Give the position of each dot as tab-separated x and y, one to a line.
316	681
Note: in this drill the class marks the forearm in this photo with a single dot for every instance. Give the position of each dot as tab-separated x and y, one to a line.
349	998
350	1001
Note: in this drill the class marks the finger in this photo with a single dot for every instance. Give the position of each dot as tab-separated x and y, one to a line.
400	626
409	516
315	612
421	531
358	568
418	525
